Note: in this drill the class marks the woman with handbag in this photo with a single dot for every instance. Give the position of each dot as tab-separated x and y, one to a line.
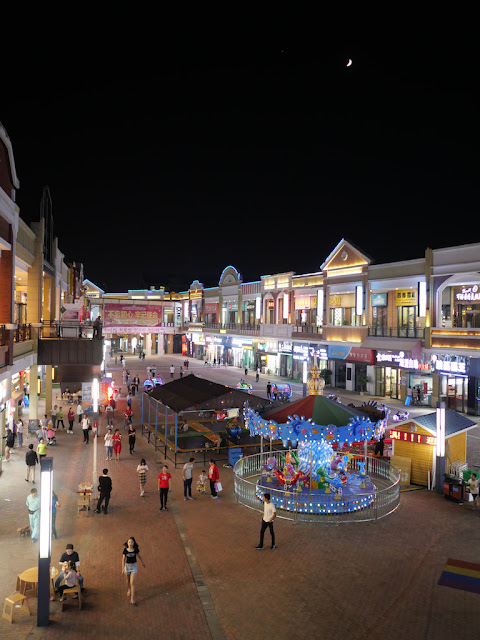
214	477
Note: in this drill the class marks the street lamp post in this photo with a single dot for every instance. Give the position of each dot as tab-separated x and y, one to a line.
440	448
45	541
95	393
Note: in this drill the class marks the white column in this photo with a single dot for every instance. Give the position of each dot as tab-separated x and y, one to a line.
148	344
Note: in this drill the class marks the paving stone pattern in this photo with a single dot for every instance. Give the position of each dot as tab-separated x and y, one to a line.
204	579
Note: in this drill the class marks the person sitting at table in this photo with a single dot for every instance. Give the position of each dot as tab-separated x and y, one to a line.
68	556
69	580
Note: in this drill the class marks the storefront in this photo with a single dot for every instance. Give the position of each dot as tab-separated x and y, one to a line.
285	352
343	310
460	306
270	359
453	374
310	353
243	355
351	367
400	373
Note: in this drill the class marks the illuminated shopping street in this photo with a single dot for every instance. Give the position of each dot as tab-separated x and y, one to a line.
239	333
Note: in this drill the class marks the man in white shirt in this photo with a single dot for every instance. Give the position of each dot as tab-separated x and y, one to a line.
269	515
85	428
172	371
187	479
79	412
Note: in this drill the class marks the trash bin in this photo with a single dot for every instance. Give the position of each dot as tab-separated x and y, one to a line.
454	488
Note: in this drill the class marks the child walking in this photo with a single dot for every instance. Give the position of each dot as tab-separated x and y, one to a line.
202	482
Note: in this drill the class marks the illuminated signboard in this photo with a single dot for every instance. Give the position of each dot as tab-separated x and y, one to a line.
471	294
416	438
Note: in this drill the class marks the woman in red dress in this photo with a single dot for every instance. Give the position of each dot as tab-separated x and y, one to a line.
117	444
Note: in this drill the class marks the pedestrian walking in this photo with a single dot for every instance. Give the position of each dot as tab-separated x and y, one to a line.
187	363
108	439
42	449
33	506
474	483
131	438
105	489
20	433
109	414
187	479
60	418
246	370
142	469
54	413
70	418
269	515
79	412
257	375
129	400
136	382
117	444
181	372
269	390
85	428
9	442
213	476
163	487
129	566
55	506
172	371
31	459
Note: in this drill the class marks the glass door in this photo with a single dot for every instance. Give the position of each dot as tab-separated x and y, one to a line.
380	381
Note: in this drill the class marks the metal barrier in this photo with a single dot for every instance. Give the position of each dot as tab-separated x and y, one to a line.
300	506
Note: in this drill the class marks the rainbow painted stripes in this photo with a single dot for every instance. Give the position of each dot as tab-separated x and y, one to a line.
461	575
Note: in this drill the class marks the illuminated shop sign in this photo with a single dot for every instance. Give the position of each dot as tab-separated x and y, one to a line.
416	438
451	367
379	299
304	352
469	294
407	297
285	347
402	360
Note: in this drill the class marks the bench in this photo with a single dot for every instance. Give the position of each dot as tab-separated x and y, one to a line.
16	599
76	589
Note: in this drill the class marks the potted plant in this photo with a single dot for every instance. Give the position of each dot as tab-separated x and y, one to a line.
362	380
326	374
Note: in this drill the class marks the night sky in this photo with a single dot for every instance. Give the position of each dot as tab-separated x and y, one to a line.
167	163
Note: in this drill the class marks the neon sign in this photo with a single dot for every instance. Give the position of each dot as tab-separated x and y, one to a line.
470	294
416	438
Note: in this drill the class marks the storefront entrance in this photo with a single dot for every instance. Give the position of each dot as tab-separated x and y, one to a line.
455	390
387	382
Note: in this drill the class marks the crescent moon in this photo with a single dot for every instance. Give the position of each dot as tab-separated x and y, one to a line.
349	63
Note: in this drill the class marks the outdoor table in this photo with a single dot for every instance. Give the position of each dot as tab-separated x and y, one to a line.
27	581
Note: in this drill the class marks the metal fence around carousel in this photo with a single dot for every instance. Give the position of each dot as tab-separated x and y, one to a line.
300	506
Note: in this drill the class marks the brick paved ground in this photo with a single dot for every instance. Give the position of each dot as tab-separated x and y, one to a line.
358	581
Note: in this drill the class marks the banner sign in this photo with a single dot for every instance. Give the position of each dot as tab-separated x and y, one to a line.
132	318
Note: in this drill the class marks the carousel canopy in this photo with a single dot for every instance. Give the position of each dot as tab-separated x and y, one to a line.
320	409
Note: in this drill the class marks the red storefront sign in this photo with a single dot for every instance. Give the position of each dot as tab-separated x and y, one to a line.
357	354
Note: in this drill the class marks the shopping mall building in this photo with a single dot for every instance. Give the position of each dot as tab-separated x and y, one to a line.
387	329
37	289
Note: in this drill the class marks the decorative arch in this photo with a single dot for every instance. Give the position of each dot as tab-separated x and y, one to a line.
469	278
230	276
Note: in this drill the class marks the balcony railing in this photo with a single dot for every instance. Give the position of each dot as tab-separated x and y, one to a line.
397	332
307	328
71	329
22	333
